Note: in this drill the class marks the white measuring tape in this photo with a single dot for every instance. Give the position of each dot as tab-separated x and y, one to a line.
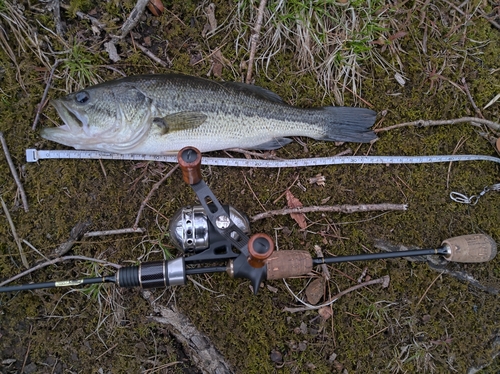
33	155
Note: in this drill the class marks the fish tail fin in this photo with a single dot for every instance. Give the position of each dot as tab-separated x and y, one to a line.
347	124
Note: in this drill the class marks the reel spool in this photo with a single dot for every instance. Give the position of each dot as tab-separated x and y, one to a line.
191	231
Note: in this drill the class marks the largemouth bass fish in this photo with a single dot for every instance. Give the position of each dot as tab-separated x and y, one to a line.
160	114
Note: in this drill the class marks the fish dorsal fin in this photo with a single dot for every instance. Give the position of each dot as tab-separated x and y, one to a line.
254	90
179	121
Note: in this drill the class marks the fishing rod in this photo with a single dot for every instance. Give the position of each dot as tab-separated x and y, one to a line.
213	233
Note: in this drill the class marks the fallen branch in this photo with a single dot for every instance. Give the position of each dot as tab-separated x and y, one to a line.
14	172
255	39
427	123
74	235
332	208
155	187
132	20
197	345
383	280
55	261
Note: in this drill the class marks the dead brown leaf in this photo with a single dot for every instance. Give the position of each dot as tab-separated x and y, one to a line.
325	312
315	291
293	202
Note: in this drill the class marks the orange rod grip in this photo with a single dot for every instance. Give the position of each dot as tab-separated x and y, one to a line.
286	264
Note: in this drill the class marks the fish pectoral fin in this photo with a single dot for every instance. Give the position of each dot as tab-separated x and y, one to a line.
272	144
179	121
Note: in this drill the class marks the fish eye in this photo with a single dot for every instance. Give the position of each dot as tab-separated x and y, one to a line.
82	97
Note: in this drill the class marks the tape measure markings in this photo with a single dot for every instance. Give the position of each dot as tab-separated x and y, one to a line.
33	155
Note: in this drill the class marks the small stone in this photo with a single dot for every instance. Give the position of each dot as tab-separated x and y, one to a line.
303	328
276	357
315	290
302	346
31	368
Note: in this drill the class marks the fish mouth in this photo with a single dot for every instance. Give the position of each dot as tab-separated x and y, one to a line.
114	135
74	130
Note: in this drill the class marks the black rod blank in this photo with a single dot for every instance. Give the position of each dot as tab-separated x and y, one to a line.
379	256
69	283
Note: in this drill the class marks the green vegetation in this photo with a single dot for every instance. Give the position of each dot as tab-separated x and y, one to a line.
309	53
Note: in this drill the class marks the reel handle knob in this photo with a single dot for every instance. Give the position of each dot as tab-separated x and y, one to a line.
260	247
189	159
470	248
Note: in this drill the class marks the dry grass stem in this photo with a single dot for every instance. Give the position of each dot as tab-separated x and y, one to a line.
14	234
44	96
428	288
332	208
55	261
155	187
14	172
383	280
426	123
130	230
460	143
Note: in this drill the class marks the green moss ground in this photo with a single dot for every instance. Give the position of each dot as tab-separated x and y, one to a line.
371	330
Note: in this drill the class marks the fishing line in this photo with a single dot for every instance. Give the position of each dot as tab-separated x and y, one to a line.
33	155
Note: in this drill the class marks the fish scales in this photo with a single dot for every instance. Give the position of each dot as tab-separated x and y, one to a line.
160	114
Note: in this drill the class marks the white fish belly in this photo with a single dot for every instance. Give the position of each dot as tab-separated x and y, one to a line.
227	131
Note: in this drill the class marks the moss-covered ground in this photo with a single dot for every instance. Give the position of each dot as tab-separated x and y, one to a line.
422	322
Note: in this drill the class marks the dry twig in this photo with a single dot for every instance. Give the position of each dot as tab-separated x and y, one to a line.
14	234
153	57
332	208
14	172
44	96
471	99
324	267
74	235
130	230
132	20
255	39
426	123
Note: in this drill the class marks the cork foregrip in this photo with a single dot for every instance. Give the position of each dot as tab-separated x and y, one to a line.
286	264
